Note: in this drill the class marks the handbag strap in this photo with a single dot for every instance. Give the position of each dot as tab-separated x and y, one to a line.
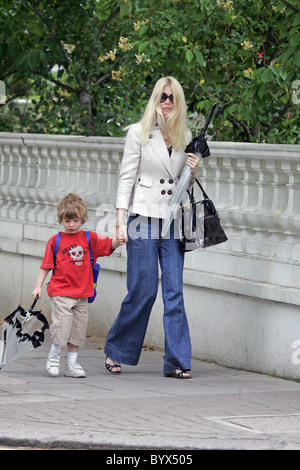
200	186
191	194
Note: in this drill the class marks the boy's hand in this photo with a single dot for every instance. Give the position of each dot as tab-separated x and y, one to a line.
121	233
115	243
39	283
37	291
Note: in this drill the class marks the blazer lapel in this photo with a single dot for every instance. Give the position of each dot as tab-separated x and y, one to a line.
178	160
158	146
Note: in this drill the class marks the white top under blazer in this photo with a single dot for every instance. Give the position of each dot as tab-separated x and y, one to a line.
148	174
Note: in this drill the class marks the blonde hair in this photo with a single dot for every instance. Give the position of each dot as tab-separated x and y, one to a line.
175	123
72	207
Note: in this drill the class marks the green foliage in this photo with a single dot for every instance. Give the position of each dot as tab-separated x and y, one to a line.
88	67
242	54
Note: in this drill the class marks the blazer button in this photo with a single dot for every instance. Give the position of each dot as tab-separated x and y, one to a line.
162	181
169	192
163	192
171	181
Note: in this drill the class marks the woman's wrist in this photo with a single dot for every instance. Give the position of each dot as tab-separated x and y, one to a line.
120	224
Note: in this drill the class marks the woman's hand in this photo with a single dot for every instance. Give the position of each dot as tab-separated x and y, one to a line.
121	233
121	227
193	162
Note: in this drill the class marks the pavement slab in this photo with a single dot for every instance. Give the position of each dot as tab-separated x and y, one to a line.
218	409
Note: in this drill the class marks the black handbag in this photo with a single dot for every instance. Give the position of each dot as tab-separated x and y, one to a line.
199	145
195	215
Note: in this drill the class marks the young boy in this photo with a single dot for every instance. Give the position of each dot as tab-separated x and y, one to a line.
71	282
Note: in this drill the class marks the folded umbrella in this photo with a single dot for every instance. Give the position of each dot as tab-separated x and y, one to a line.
176	199
21	332
198	145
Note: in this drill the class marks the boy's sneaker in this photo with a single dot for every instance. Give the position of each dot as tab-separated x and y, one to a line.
74	370
52	365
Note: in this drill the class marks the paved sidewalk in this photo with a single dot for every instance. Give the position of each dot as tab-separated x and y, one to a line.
219	408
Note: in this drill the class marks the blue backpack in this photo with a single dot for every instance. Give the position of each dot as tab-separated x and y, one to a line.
95	269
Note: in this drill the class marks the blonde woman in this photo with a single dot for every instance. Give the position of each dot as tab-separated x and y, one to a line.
153	160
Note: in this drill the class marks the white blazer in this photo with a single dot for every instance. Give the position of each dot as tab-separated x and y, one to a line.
148	174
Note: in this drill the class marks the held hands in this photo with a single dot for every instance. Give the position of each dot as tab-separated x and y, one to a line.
121	227
193	162
121	233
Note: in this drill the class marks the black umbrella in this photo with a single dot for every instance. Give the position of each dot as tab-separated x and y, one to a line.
198	145
21	332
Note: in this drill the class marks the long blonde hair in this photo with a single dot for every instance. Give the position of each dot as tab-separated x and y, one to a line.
175	123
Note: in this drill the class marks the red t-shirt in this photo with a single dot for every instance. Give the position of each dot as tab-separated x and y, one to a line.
72	276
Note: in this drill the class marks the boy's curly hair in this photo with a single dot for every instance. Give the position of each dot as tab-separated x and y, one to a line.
72	207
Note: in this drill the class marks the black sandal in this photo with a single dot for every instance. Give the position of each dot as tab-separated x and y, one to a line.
111	367
179	374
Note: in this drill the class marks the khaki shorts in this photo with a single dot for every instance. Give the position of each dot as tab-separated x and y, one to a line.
69	321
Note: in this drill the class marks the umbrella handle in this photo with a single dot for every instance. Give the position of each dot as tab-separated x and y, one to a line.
34	302
211	112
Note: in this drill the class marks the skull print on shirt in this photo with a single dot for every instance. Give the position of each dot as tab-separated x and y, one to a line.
76	254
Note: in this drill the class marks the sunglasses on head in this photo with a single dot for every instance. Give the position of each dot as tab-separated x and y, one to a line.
164	98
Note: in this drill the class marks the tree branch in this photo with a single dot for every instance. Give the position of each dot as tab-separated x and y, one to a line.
108	20
103	27
63	85
58	83
12	98
49	25
279	117
289	5
240	125
101	79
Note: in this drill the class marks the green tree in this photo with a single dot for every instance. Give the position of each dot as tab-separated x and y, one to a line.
243	54
90	65
57	47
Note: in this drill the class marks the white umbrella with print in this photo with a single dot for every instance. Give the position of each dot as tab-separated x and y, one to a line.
21	332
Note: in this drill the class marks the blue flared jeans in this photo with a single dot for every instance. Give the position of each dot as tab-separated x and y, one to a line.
125	339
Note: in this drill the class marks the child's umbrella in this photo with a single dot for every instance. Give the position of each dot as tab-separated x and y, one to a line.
21	332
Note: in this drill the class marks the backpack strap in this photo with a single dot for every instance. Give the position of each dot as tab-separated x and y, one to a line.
57	240
87	233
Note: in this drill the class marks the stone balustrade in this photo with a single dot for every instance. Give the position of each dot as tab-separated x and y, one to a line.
256	190
37	171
